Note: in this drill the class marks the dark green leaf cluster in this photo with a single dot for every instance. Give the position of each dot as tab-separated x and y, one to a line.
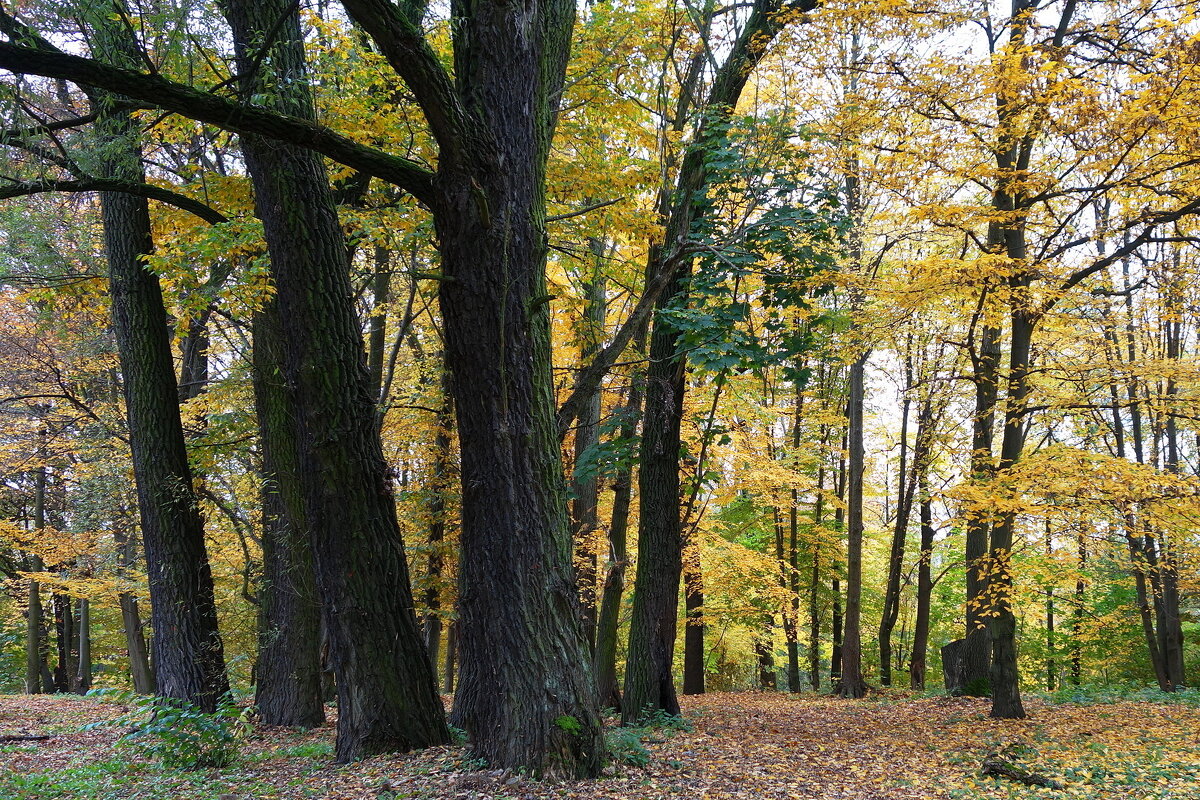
176	733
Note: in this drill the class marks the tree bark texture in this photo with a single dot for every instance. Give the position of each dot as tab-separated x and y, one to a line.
288	672
387	698
188	654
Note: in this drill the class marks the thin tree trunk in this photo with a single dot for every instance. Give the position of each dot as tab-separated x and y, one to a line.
585	488
916	670
1051	667
83	672
607	688
851	678
693	601
35	659
906	486
438	491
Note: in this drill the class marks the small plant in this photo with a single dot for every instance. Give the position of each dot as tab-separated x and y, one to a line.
657	718
176	733
625	747
569	724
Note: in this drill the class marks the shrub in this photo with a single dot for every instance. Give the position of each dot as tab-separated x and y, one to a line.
176	733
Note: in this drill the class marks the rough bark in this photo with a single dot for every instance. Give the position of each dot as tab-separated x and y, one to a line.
288	671
188	653
387	698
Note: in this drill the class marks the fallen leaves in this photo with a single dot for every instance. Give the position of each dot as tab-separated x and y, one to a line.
763	746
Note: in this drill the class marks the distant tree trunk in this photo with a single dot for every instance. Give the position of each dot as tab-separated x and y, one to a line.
438	489
839	524
585	488
140	672
451	657
387	697
68	653
916	670
764	649
35	659
851	678
905	488
607	689
693	634
381	293
1051	674
789	583
189	659
83	672
35	663
1077	615
814	608
288	677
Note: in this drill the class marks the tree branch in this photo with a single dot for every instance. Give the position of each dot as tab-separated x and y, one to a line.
149	191
226	114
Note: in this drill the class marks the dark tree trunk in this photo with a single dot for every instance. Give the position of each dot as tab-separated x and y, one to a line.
525	694
35	659
852	683
649	684
607	688
381	285
68	654
1051	667
1002	624
288	671
916	670
693	634
83	670
135	644
387	698
764	650
451	657
438	489
189	659
905	488
973	677
1077	616
585	488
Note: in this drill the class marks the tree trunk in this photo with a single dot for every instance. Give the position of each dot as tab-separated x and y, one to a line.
693	634
68	654
387	698
916	670
438	489
905	488
585	489
83	672
852	683
607	688
1002	625
288	672
188	654
35	659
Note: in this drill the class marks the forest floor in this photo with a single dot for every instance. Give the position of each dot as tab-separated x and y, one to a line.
748	745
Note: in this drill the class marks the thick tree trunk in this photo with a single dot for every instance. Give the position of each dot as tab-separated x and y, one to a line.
525	694
188	654
387	698
288	671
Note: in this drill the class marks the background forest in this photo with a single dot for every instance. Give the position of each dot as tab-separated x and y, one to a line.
796	346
